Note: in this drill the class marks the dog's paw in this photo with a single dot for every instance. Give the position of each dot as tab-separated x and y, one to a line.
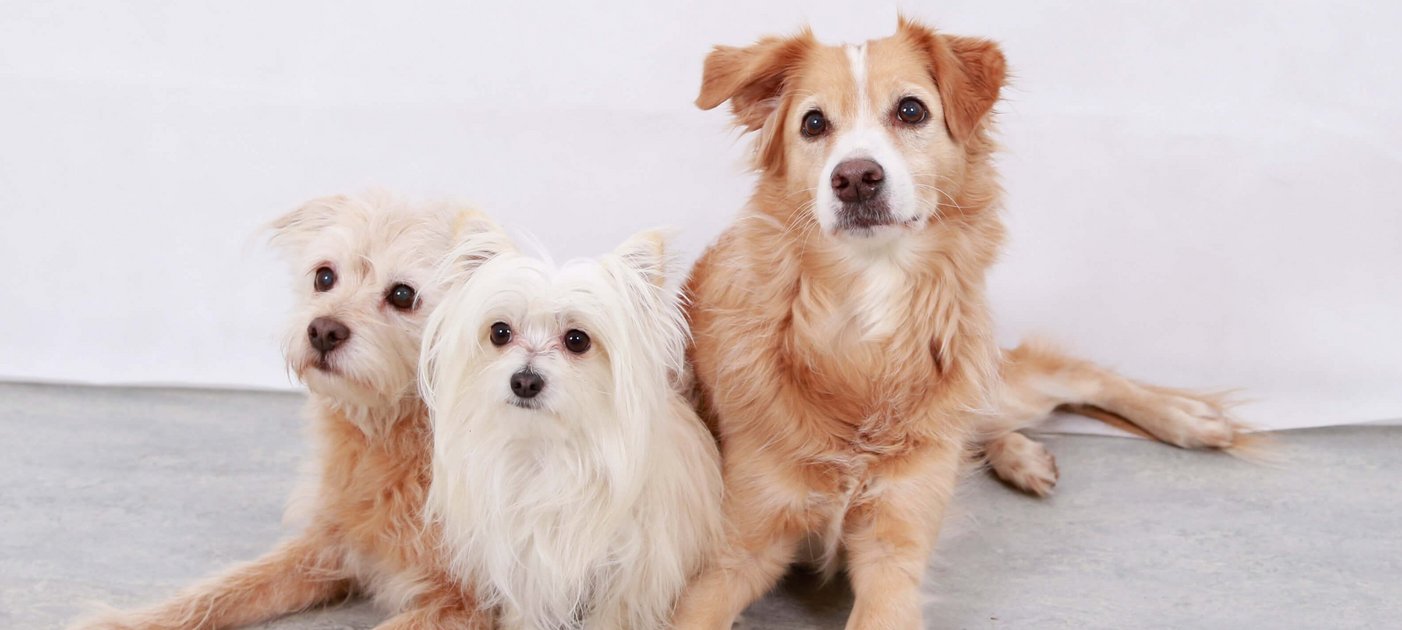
1023	463
1188	420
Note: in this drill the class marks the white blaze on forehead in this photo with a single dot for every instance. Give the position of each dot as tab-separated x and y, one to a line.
862	134
857	55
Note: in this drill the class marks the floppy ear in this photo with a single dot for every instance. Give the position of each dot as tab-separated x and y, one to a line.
297	226
647	254
751	78
968	71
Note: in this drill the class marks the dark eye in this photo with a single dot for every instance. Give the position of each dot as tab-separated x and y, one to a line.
577	341
911	111
324	280
401	296
501	334
814	124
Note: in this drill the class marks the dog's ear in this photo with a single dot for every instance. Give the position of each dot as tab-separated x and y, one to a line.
648	254
477	239
752	78
295	227
968	71
644	268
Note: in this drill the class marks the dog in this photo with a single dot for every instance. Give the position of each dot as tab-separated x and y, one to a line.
574	483
365	269
843	348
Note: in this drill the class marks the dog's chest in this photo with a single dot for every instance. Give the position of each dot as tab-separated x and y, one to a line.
553	541
374	496
879	302
870	385
849	478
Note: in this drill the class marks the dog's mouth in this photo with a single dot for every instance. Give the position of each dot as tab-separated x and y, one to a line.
319	364
864	218
524	403
325	367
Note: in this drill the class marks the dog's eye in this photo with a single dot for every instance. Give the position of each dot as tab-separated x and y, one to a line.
501	334
577	341
324	280
401	296
911	111
814	124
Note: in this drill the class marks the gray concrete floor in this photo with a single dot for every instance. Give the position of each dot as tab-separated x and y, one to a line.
123	495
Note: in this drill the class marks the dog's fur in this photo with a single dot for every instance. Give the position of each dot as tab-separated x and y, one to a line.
365	533
843	350
590	504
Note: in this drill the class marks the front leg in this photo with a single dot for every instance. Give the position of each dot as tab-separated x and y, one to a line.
889	537
446	607
764	525
299	574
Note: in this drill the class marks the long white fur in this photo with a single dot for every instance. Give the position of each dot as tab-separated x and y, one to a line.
593	510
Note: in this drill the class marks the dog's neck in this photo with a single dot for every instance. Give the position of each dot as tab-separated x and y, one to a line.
883	304
373	419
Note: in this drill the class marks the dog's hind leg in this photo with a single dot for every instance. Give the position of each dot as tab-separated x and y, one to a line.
1022	462
1038	375
1038	380
299	574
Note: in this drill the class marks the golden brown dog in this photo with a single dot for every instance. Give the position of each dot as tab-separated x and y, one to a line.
843	347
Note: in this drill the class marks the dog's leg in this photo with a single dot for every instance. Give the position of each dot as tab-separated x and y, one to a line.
747	568
889	538
445	608
297	575
1037	376
762	537
1031	390
1038	380
1022	462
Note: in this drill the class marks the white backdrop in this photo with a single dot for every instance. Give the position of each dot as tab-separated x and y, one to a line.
1204	194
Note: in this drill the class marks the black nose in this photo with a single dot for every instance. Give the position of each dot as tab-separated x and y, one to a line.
526	384
857	180
326	333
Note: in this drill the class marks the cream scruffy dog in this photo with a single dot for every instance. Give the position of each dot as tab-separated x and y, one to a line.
575	487
365	271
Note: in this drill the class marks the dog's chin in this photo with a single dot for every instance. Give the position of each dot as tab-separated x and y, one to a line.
329	378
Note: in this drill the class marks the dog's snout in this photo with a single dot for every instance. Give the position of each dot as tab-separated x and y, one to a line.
857	180
526	384
325	334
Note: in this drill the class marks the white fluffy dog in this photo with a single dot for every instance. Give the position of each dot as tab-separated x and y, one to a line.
575	486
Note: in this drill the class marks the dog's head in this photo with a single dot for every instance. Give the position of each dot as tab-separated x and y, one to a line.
523	345
872	139
365	270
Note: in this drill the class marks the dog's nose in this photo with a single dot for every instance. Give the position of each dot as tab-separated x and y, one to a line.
326	333
857	180
526	384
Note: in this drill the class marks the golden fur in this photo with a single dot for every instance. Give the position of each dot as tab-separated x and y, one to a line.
846	374
366	533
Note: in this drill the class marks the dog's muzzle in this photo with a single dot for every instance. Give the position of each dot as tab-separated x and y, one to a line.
858	185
